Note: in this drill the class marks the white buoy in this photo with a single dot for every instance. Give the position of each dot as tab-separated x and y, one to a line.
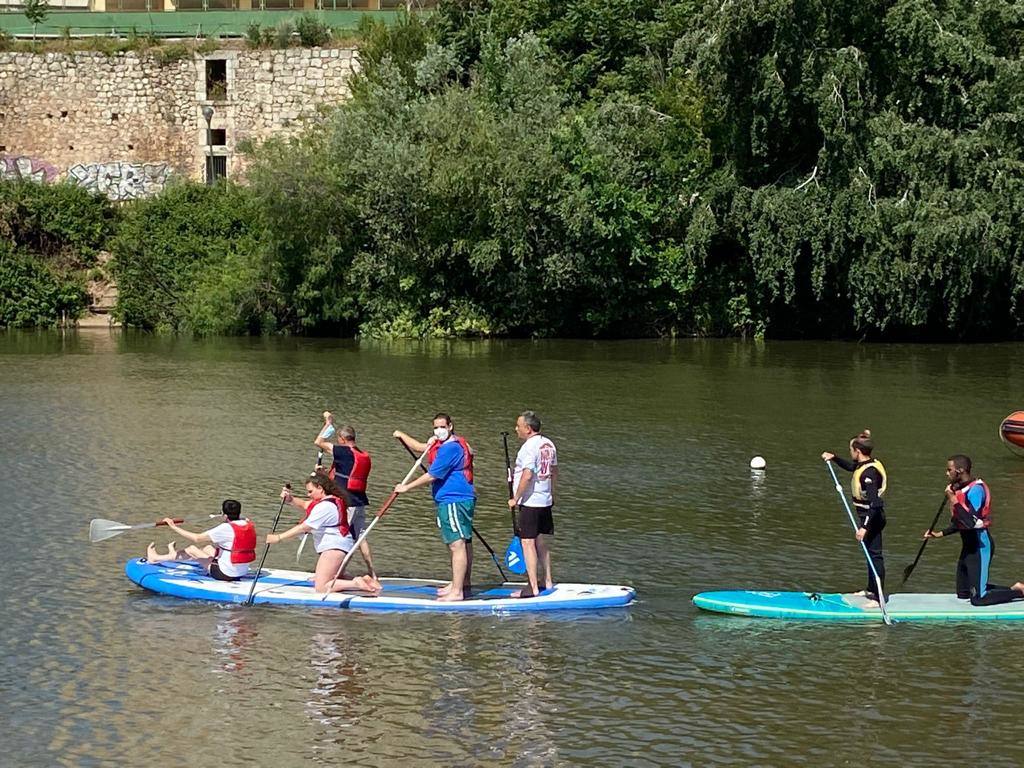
758	462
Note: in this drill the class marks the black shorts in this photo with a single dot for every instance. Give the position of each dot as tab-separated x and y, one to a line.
217	573
532	521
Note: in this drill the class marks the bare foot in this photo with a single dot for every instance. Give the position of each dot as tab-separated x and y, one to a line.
370	584
451	597
522	593
151	554
872	604
1018	587
860	593
446	589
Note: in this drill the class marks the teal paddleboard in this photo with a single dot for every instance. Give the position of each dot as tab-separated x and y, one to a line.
832	606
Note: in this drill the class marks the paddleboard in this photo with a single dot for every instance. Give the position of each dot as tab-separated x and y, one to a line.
831	606
187	579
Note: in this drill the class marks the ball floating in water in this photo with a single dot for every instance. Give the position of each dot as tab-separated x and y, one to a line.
758	462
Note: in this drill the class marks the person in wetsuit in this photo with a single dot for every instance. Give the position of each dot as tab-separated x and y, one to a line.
868	487
971	507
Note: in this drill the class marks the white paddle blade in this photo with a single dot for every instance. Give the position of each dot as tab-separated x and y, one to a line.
100	529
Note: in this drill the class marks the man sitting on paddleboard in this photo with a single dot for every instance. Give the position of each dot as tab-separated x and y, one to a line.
327	519
234	545
868	486
971	508
451	472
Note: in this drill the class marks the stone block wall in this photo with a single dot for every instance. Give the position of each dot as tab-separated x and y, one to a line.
125	124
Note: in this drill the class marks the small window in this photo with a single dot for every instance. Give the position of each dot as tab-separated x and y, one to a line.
216	79
114	117
3	148
63	113
219	137
131	146
216	168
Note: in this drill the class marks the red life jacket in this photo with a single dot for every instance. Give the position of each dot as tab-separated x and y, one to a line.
360	470
983	516
243	543
342	523
467	467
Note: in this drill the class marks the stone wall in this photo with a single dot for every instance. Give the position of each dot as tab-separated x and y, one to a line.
125	124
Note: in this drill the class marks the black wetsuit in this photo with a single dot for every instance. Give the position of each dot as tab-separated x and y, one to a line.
870	511
977	547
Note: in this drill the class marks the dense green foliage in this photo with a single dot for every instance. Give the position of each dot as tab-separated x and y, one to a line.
182	261
850	168
49	236
585	167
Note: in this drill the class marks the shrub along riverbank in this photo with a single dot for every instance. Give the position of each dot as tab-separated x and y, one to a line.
613	168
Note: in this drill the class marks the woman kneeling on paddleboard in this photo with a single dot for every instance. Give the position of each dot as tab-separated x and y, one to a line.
327	519
234	545
868	487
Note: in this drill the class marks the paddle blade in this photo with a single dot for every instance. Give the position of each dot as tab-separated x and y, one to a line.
514	559
100	530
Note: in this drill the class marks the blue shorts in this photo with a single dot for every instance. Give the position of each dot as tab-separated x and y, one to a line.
455	519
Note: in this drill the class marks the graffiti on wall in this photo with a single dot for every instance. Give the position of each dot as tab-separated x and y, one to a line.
121	180
26	168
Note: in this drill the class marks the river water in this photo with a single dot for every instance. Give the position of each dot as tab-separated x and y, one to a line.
654	440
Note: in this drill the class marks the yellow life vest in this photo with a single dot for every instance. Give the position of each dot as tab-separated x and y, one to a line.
858	491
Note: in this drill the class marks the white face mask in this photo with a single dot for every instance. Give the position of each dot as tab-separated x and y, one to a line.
441	433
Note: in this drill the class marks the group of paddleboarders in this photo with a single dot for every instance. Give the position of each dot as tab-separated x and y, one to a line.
335	510
970	504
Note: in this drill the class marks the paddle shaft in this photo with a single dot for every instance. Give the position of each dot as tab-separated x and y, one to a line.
920	550
494	555
266	549
101	530
378	516
863	546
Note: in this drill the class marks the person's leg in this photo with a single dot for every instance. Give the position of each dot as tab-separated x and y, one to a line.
528	521
467	585
544	561
545	528
327	566
983	593
457	549
873	543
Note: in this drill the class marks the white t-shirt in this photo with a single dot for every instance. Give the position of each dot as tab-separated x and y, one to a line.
224	537
539	456
323	519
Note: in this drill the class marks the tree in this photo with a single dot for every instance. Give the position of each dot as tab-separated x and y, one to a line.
35	11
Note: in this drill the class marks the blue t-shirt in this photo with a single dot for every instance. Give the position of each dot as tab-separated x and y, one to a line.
450	482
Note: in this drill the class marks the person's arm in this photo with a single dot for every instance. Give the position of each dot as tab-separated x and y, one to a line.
524	481
412	442
423	479
554	478
844	464
274	538
195	538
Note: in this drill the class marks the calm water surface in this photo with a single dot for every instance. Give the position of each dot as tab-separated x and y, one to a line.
654	440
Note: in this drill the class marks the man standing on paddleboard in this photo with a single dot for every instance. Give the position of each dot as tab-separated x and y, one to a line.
451	475
350	470
971	507
868	487
534	484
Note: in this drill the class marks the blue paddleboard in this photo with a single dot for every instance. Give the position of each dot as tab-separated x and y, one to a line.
832	606
279	587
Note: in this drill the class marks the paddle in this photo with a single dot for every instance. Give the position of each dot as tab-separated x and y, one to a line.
326	434
377	517
266	549
920	550
863	546
100	530
514	558
494	555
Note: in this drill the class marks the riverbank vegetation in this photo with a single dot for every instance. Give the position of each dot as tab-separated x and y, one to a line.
608	168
